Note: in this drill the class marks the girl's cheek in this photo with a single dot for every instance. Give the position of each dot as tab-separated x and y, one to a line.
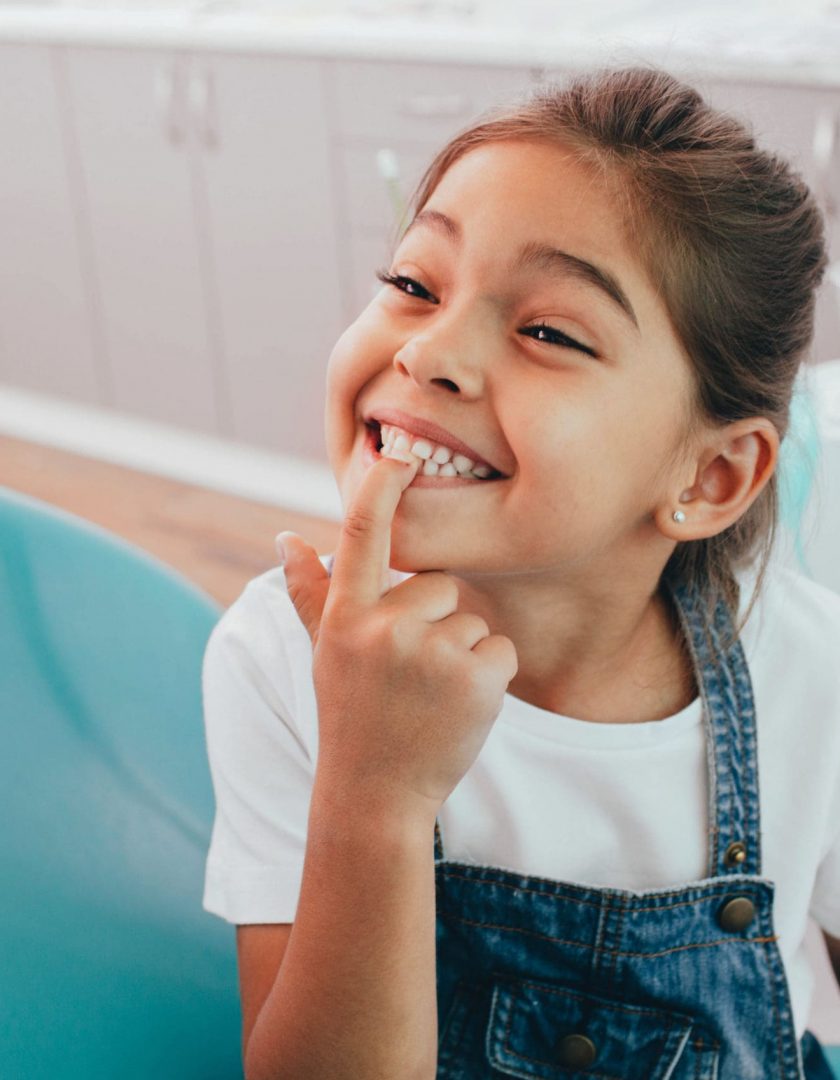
355	358
350	367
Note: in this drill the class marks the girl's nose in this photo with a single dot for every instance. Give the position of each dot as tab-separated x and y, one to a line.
433	357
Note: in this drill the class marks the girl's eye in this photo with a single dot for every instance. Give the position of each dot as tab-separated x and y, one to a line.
552	335
404	284
556	337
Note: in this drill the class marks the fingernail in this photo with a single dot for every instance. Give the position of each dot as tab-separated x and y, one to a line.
281	550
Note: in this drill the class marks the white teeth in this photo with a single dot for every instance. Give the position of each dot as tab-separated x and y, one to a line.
422	449
436	459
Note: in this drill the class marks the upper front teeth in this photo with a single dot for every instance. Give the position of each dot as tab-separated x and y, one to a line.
438	460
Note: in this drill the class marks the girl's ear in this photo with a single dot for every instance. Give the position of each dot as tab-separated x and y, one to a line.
731	472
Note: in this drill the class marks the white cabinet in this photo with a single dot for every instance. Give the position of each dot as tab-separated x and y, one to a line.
268	195
210	208
47	333
134	140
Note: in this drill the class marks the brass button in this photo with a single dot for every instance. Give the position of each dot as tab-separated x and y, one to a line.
576	1052
735	854
737	914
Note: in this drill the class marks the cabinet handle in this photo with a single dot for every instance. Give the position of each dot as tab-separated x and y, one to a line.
431	105
388	167
202	99
825	152
167	101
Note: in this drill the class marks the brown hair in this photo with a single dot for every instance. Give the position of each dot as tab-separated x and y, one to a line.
729	235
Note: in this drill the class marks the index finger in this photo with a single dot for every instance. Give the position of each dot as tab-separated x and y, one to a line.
363	554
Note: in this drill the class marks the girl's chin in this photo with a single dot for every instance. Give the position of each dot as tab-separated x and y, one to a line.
410	554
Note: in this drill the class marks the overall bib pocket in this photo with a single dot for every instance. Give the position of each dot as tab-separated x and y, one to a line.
553	1033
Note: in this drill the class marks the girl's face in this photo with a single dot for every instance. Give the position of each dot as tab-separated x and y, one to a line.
523	327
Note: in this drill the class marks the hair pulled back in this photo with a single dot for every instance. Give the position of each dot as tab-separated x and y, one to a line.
729	235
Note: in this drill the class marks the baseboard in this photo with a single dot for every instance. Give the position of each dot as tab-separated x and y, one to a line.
120	439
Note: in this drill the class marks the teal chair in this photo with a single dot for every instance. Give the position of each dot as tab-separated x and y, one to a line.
109	967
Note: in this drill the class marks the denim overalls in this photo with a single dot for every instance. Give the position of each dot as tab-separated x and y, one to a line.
540	978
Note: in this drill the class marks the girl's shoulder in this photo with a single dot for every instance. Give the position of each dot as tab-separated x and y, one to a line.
795	621
786	588
259	640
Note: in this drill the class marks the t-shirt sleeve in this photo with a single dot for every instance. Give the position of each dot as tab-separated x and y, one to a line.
261	761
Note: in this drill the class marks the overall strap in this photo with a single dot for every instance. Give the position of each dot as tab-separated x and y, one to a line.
726	692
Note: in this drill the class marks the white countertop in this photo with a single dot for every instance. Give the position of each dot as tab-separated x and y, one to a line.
761	41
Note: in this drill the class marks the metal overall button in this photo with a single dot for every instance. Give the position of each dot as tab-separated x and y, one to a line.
737	913
576	1052
735	854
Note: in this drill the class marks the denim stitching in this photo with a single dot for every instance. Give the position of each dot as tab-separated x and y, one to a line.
717	892
685	611
746	710
589	999
618	934
732	736
777	1019
608	952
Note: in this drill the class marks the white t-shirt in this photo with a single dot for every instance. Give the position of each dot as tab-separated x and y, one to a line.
640	788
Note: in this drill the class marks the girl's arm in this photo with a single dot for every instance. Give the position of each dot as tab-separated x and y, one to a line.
355	994
407	688
833	946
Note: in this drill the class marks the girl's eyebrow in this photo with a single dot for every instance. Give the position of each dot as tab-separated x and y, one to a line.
535	255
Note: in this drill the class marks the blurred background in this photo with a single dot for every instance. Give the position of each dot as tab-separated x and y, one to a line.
194	198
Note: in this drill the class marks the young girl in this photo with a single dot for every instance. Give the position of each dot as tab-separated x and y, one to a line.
539	774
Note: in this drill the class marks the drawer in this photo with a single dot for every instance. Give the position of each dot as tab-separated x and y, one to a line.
420	102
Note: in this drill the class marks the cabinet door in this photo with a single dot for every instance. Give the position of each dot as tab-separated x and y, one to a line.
268	191
46	326
130	124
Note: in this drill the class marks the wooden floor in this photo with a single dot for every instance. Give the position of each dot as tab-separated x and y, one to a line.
218	541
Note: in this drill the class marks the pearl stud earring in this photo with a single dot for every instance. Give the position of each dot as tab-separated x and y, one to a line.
679	516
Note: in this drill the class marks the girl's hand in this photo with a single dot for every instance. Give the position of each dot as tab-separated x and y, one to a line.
407	688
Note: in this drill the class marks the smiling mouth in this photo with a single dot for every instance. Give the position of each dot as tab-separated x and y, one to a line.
437	461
